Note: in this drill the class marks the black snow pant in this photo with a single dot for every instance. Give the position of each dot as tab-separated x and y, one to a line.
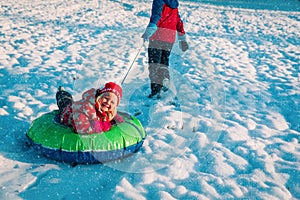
158	53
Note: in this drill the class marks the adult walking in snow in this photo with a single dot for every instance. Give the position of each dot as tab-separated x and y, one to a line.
165	23
96	112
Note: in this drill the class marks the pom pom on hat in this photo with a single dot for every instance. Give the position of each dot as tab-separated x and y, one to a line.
111	87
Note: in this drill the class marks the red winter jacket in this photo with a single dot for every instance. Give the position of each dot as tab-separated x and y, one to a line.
166	17
83	117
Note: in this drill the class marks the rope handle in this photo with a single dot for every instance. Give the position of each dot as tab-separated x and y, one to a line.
138	53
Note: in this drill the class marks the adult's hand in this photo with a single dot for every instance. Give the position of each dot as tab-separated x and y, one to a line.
150	30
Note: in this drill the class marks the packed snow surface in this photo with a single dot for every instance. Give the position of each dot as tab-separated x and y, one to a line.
233	132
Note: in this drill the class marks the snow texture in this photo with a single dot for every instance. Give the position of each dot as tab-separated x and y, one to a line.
233	132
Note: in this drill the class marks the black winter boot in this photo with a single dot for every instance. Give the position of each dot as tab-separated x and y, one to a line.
63	98
155	90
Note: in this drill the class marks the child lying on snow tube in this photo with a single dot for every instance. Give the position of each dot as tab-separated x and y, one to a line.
96	112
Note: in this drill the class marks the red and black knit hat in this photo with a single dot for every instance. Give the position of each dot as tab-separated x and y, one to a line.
111	87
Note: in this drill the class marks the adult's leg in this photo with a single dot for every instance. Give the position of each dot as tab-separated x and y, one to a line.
154	64
159	53
164	66
154	55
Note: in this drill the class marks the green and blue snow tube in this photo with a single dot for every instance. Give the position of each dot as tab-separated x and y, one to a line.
59	142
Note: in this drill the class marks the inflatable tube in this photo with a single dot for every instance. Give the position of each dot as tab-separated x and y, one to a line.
60	143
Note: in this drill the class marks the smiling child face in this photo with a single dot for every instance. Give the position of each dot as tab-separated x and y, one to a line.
107	101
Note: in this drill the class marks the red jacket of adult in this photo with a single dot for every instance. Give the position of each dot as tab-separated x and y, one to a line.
166	17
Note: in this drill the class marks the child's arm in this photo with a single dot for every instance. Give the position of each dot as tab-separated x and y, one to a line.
84	125
99	127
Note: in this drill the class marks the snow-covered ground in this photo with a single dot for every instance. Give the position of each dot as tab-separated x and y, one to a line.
235	135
